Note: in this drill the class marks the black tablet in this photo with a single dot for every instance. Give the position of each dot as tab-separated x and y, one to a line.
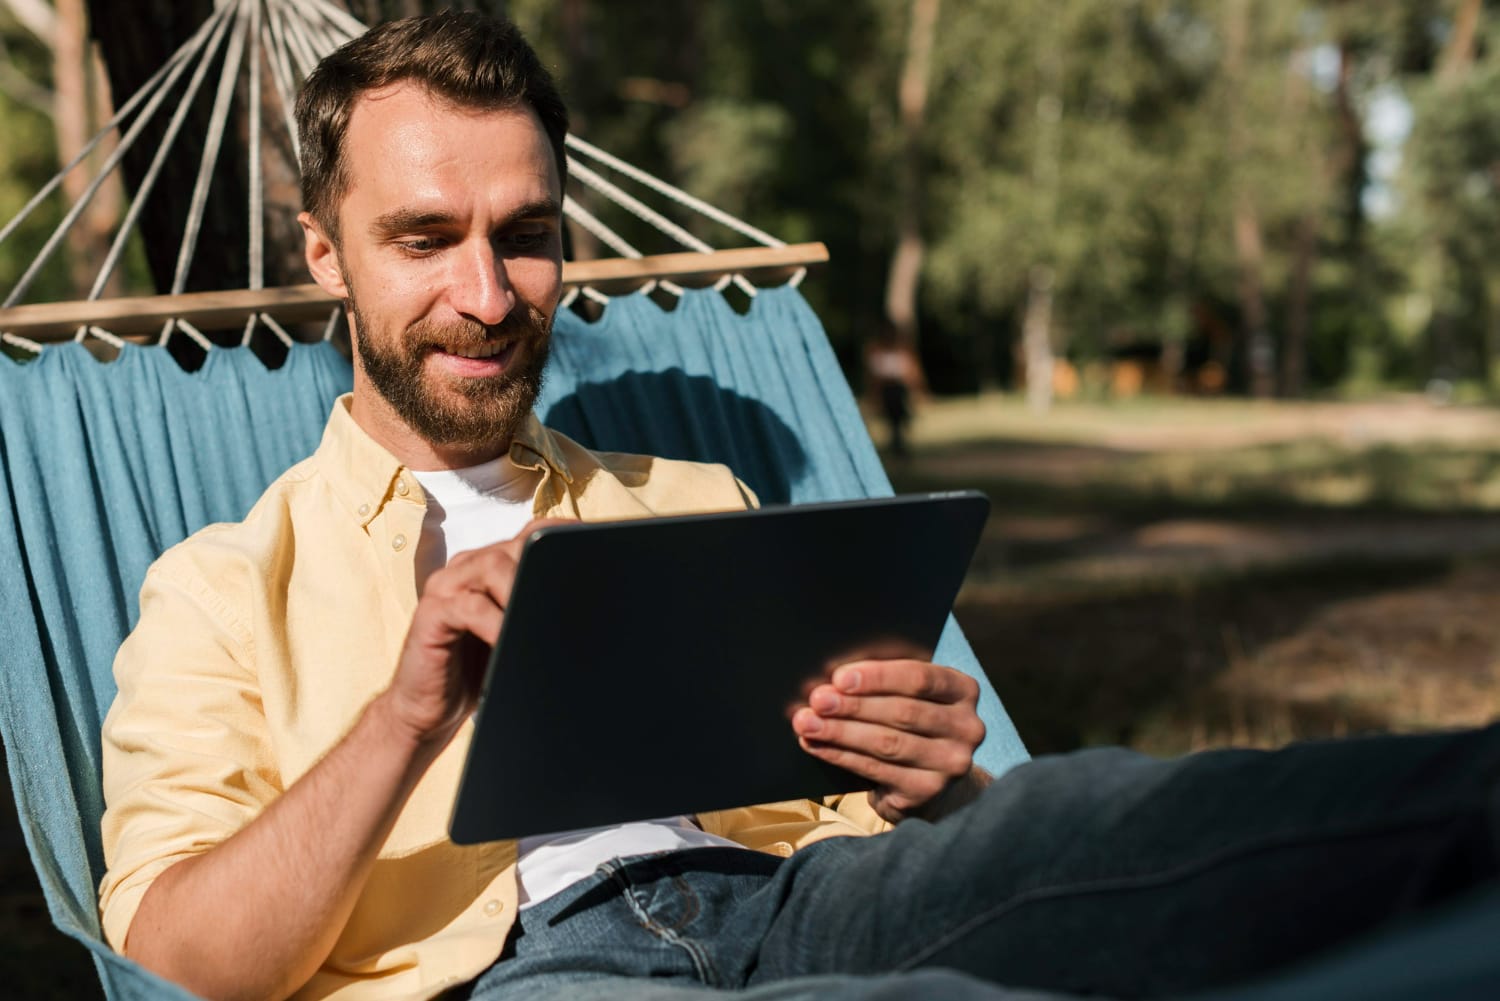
649	668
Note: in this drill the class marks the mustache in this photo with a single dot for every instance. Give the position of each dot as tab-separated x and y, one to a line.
524	324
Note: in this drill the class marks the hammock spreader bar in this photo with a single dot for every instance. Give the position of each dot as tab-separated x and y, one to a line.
291	36
137	316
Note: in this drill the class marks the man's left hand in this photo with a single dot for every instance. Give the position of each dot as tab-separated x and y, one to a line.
908	726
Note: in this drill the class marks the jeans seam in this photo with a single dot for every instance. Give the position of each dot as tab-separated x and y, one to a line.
701	964
1161	878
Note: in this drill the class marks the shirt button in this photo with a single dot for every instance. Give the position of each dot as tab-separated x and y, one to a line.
398	543
401	487
364	509
492	907
782	848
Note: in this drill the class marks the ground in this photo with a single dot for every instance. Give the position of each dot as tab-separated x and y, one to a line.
1179	574
1170	575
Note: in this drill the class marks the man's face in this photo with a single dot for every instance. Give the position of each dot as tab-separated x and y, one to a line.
450	257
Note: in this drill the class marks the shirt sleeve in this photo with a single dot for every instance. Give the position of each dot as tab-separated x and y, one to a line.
186	753
856	808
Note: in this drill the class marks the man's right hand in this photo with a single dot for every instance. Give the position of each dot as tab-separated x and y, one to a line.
458	617
296	870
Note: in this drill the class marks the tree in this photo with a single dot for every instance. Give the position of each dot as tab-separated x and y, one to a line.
72	92
1071	187
135	39
1453	183
1180	180
906	261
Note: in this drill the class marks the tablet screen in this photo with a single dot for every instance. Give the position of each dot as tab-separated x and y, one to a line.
649	668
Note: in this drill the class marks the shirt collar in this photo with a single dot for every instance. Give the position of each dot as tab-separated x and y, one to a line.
535	447
365	476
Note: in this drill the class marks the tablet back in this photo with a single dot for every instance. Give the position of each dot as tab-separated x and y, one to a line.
649	668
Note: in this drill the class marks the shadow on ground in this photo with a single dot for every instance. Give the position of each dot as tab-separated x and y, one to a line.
1174	670
1302	478
1173	600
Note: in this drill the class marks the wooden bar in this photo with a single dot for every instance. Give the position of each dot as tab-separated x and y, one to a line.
137	316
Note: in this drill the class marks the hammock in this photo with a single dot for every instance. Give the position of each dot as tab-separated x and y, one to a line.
105	465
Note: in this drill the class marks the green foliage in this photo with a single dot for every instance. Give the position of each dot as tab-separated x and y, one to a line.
1114	143
770	110
1121	146
1092	138
28	158
1453	216
725	152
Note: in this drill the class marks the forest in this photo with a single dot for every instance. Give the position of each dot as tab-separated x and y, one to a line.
1284	198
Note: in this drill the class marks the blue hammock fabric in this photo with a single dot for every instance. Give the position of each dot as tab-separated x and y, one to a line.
106	465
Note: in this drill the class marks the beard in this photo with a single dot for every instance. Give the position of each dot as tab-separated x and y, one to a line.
458	412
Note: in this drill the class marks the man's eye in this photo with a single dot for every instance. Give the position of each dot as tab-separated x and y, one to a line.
419	245
529	240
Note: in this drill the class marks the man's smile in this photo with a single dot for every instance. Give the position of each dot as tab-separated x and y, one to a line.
485	358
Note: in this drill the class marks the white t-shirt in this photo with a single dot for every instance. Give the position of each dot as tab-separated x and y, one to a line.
476	507
470	509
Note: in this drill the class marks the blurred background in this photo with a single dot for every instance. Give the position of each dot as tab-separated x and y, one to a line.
1203	293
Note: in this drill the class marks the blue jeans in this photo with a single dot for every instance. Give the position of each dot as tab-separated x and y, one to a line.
1099	872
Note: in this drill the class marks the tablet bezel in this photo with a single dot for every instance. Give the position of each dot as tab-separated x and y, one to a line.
771	598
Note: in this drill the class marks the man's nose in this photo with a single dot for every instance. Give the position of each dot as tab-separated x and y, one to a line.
481	289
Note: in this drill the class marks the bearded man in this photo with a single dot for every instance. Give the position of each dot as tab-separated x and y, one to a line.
294	703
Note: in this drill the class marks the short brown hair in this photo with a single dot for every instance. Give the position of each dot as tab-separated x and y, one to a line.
471	59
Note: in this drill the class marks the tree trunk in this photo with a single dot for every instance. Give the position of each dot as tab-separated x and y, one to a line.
1041	278
1454	65
88	239
906	262
1260	351
1299	306
1458	53
1323	171
1036	338
135	40
583	85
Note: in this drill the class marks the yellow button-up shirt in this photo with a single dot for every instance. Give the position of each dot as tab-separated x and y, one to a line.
259	644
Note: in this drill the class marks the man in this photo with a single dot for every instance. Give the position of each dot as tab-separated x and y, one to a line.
283	753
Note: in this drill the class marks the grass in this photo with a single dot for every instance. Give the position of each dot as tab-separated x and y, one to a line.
1176	574
1195	455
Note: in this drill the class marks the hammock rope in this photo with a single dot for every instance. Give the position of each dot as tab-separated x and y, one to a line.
257	195
109	127
218	125
118	154
148	180
284	40
615	242
675	193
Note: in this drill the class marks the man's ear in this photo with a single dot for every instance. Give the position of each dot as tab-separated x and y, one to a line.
322	258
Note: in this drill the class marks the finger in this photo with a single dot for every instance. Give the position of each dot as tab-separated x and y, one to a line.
916	678
489	568
479	615
465	569
928	719
949	757
440	623
900	787
490	571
